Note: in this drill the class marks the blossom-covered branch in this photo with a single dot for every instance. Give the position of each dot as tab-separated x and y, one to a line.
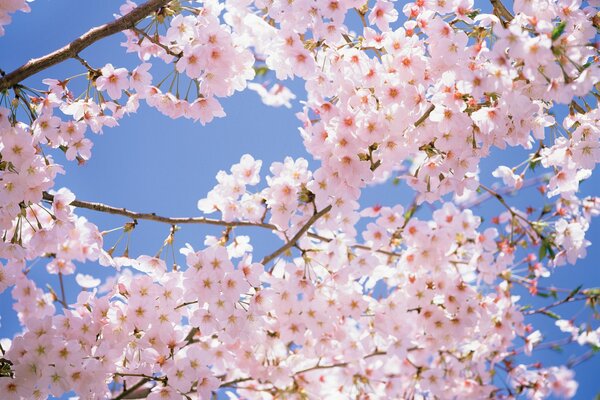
297	236
157	218
380	300
72	49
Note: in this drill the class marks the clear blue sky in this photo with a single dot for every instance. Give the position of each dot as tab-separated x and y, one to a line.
153	163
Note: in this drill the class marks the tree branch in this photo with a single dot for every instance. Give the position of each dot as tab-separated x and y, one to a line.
125	394
296	237
544	310
36	65
234	382
158	43
506	190
500	10
157	218
356	246
425	115
339	365
512	212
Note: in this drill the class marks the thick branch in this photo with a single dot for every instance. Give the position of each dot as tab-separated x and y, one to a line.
297	236
157	218
500	10
72	49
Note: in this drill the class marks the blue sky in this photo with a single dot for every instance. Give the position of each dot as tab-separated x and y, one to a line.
153	163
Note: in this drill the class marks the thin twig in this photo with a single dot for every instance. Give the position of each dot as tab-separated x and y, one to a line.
583	358
507	190
158	43
557	303
132	389
512	212
235	382
86	64
425	115
157	218
338	365
62	289
355	246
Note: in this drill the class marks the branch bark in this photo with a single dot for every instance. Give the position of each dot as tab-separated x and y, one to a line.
296	237
36	65
424	116
157	218
129	392
501	11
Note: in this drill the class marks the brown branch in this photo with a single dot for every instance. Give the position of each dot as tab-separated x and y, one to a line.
500	10
36	65
296	237
506	190
157	218
234	382
62	289
512	212
582	358
544	310
148	377
338	365
316	367
190	336
577	107
127	393
158	43
356	246
424	116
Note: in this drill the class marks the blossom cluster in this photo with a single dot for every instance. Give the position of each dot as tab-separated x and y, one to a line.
353	301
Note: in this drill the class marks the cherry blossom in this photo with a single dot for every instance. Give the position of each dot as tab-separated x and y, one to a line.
114	81
400	300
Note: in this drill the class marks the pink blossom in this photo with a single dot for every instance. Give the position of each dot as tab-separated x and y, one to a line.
114	81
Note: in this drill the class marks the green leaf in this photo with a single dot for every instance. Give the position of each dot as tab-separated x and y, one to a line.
474	13
410	212
547	209
260	71
551	314
558	30
574	292
543	250
557	348
551	251
534	164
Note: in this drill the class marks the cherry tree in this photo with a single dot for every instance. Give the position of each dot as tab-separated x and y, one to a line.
418	300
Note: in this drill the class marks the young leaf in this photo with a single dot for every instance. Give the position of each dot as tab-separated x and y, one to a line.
558	30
